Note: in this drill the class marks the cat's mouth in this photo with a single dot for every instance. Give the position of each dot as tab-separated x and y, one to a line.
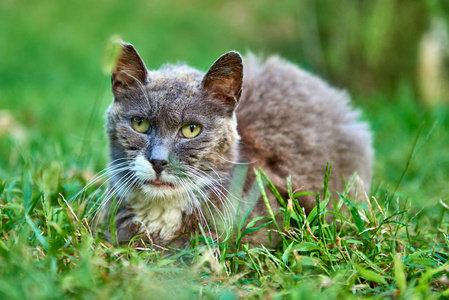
160	183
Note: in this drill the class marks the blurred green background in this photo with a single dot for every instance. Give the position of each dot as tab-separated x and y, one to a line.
391	55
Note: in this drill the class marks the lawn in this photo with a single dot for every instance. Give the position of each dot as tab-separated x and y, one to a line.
53	96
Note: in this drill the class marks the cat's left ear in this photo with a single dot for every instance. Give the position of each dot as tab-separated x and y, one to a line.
130	70
224	80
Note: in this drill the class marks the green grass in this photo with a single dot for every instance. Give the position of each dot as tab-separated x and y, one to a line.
55	94
380	248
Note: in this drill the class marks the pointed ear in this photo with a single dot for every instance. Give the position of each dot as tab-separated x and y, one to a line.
224	79
130	70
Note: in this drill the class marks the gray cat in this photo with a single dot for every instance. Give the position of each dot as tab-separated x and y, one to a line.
176	136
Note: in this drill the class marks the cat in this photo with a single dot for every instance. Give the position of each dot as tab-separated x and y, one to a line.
178	135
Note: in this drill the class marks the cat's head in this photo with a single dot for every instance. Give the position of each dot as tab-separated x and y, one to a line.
172	131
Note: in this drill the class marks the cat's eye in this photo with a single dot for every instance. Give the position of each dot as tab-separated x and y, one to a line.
190	131
140	124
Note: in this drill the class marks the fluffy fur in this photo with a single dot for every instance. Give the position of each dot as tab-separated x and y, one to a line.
266	114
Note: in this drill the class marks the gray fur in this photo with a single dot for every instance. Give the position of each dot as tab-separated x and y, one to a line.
289	123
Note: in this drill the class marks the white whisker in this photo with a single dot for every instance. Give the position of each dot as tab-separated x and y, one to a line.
237	162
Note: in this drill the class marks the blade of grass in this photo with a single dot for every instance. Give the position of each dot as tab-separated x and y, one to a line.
265	199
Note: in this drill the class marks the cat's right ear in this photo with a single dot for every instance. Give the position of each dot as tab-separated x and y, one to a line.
129	72
223	81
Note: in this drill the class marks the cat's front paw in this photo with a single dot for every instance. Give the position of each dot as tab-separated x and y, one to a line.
126	228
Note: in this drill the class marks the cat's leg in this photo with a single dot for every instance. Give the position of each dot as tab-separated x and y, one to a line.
126	228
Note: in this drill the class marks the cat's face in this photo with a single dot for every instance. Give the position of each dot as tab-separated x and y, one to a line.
172	132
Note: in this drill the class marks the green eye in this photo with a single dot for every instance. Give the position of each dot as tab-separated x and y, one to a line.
190	131
140	124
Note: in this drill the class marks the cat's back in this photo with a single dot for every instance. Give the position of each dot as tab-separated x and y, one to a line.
276	86
292	122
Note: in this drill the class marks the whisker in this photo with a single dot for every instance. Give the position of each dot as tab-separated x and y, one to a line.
121	185
224	216
237	162
186	186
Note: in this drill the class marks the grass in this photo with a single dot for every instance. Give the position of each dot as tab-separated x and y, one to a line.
53	96
379	248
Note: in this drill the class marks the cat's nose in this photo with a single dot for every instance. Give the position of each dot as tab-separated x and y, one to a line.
158	165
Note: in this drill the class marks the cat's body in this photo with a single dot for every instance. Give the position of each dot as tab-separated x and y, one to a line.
177	173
